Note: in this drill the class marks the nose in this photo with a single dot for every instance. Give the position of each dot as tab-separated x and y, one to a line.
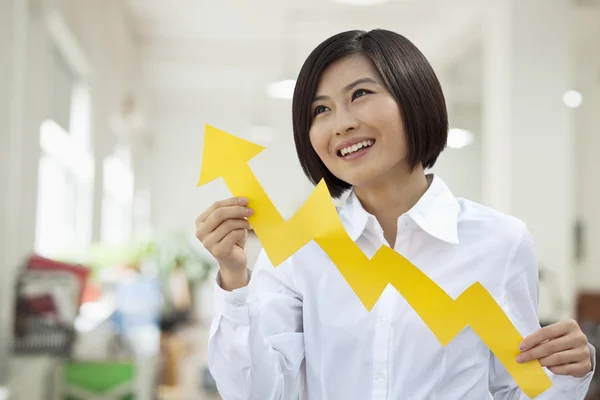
345	121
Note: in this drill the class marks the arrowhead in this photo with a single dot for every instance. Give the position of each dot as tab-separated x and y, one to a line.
223	154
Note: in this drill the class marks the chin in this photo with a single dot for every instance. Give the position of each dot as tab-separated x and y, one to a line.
360	180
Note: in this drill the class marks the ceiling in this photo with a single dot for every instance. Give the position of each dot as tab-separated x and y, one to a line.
202	59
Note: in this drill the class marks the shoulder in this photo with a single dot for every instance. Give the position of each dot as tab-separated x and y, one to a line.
475	219
504	237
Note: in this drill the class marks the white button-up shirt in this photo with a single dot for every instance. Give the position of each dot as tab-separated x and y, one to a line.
300	328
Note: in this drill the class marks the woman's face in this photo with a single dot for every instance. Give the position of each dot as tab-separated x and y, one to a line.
357	128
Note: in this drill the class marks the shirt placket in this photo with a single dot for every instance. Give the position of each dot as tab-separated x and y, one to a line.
381	345
381	350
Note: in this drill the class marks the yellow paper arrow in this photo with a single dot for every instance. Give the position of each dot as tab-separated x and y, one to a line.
227	156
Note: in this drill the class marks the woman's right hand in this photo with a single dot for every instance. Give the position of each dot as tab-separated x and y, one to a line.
222	230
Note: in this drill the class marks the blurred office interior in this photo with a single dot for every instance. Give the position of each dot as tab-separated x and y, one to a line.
102	110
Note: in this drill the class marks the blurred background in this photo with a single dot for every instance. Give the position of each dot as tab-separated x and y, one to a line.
106	294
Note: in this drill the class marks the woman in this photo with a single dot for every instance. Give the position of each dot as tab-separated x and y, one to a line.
369	117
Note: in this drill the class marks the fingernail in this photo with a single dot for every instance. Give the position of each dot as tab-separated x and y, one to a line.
522	346
243	200
250	211
520	358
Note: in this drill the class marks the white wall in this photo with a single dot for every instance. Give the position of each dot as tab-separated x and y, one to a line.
587	119
6	86
461	168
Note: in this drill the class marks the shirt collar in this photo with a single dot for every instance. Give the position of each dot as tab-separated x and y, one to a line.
436	213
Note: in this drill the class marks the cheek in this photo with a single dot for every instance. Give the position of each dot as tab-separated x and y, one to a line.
319	141
391	125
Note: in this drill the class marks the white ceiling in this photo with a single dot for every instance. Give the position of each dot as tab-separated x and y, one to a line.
204	58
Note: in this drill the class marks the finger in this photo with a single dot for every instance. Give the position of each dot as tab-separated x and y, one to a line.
548	332
222	230
234	237
224	213
204	230
224	248
564	357
577	370
547	348
233	201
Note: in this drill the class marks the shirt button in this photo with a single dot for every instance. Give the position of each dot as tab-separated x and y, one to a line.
238	303
380	378
383	321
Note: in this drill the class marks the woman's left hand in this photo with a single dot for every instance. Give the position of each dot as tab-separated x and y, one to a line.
562	347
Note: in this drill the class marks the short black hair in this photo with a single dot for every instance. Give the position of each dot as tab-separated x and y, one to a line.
408	76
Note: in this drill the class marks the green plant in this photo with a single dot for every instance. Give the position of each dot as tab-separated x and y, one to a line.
178	248
163	251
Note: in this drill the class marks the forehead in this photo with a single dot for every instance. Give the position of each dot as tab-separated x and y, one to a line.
345	70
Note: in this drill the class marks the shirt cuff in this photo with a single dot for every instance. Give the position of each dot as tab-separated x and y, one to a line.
578	386
233	304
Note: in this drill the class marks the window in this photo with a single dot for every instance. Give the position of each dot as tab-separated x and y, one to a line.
66	168
65	188
117	199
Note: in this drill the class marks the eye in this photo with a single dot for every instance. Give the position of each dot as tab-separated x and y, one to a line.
359	93
318	110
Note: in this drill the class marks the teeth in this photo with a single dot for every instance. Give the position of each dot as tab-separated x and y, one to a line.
357	146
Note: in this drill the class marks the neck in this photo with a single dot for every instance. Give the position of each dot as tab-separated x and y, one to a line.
388	200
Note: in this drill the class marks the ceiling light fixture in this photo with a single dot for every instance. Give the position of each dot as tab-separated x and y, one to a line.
459	138
572	98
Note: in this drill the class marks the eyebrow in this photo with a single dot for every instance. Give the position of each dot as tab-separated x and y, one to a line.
348	87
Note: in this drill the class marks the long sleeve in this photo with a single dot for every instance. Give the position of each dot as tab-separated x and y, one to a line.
520	302
256	343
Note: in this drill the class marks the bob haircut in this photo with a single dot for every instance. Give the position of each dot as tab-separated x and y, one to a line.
407	75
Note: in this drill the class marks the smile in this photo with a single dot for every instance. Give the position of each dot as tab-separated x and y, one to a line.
357	147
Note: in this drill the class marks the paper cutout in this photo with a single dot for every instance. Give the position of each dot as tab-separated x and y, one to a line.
227	156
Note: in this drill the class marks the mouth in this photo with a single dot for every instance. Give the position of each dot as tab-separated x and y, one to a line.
355	149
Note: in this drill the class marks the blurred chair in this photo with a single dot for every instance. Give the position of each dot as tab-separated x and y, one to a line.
99	381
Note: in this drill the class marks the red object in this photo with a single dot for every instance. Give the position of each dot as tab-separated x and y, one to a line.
91	293
38	263
40	305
